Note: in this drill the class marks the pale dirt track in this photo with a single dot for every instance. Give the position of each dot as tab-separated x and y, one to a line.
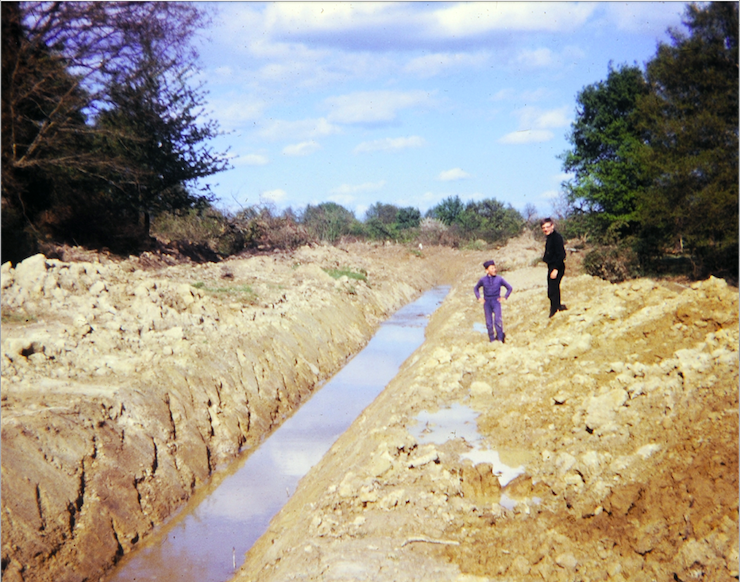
129	387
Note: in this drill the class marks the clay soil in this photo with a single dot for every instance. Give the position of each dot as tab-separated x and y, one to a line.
126	385
621	414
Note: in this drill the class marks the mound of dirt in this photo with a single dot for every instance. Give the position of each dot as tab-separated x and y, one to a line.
601	444
125	384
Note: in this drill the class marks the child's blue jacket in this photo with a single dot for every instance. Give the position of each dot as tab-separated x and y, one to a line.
492	287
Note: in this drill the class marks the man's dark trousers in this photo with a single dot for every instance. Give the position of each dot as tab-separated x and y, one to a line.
553	289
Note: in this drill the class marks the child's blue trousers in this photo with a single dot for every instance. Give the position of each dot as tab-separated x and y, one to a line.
492	309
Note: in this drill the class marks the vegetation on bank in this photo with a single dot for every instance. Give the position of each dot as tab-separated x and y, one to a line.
264	228
654	156
104	138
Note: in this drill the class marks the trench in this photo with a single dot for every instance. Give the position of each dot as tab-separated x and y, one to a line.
207	540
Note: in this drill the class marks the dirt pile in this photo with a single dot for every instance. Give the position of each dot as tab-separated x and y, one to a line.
601	444
123	388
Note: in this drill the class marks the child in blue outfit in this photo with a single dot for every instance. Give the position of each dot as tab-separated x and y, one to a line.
491	299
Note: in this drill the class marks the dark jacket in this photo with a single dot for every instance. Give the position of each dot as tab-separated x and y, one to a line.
554	251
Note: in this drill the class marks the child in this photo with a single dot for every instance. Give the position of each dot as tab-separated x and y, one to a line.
491	300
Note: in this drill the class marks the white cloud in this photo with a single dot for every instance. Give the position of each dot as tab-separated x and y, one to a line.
301	149
390	144
469	19
305	128
322	16
273	195
251	160
355	188
652	18
435	64
235	112
356	24
453	174
527	136
536	125
372	106
550	195
552	118
536	59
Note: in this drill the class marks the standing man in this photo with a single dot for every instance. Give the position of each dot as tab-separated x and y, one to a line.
555	259
491	299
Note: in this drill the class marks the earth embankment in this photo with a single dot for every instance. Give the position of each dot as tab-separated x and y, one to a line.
124	388
606	448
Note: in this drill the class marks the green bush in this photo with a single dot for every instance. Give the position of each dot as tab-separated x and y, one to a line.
209	227
612	263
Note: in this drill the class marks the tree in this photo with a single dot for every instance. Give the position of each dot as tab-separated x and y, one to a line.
152	132
605	158
84	84
690	121
384	213
408	217
490	220
530	213
32	81
387	221
447	210
328	221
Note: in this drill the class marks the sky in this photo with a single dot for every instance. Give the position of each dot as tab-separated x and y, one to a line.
409	103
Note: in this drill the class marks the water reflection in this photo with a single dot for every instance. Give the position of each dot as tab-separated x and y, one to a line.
209	542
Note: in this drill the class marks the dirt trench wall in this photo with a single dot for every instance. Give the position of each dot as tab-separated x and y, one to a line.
124	389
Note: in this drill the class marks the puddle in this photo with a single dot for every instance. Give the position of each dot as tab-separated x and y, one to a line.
480	327
207	541
459	421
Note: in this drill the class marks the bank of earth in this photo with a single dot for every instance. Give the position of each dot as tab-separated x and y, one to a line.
126	384
603	445
125	388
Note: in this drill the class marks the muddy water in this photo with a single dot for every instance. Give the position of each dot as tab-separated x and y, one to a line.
208	540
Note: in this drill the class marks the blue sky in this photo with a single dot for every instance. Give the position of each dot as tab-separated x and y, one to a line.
409	103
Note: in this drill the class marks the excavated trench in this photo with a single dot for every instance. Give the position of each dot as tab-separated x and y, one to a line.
126	388
208	540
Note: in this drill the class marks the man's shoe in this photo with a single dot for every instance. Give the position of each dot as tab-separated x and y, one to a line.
562	308
503	338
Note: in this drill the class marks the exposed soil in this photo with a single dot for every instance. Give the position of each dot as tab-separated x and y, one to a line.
125	385
622	413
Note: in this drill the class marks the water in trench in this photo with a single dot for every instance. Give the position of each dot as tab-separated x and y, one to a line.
208	540
459	421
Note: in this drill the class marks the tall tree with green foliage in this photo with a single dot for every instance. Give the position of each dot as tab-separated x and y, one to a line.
388	221
605	158
328	221
690	122
491	220
447	210
408	217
